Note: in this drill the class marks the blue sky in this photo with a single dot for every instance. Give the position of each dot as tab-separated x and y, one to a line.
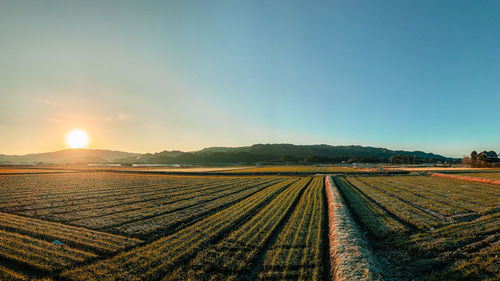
146	76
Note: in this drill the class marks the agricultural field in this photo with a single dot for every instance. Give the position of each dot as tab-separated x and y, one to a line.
90	226
485	175
295	169
426	227
129	226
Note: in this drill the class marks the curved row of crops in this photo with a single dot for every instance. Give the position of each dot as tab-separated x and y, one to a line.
122	203
196	201
276	233
246	228
94	241
449	227
236	254
160	257
29	243
79	208
377	219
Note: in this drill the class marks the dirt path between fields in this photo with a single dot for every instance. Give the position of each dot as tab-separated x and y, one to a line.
350	254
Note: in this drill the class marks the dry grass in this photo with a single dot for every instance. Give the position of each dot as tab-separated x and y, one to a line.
349	249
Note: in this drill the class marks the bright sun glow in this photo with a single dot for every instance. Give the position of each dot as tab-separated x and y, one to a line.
77	139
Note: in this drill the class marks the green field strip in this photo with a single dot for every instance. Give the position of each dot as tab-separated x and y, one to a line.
156	259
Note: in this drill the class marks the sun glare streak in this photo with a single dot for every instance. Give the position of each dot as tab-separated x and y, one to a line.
77	139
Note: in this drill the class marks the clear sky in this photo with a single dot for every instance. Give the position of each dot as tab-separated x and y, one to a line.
147	76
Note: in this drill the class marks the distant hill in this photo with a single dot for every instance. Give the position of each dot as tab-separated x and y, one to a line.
268	153
258	153
69	156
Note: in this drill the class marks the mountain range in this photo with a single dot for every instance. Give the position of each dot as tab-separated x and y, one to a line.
68	156
258	153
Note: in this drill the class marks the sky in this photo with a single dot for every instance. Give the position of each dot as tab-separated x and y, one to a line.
148	76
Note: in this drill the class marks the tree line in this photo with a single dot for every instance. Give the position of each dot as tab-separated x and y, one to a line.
482	160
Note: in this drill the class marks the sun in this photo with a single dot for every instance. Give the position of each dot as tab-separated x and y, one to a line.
77	139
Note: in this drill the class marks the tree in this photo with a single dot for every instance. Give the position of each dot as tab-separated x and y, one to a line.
482	159
493	154
473	158
466	160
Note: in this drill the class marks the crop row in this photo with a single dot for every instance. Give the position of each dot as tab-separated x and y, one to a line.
378	220
49	186
297	253
433	199
9	274
116	198
456	235
465	250
43	247
82	238
172	219
38	253
154	260
235	255
156	203
464	245
38	195
447	196
406	211
108	207
169	206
